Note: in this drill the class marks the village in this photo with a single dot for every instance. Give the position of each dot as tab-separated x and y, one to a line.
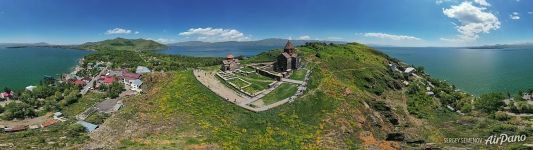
96	77
258	86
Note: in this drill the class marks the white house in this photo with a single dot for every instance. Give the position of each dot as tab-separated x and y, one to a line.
30	88
409	70
135	85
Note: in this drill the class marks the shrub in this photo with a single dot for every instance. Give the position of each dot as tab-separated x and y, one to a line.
490	102
502	116
18	110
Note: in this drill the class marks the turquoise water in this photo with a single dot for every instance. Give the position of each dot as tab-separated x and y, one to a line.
476	71
20	67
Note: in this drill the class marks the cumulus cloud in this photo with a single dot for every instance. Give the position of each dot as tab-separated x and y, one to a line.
120	31
442	1
304	37
482	2
391	36
514	16
472	21
215	34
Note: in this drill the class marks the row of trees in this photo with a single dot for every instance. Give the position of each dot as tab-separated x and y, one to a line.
52	97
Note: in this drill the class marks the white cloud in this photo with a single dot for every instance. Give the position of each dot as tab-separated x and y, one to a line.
391	36
514	16
482	2
473	21
442	1
215	34
120	31
304	37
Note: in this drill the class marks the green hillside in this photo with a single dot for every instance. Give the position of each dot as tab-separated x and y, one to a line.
354	101
123	44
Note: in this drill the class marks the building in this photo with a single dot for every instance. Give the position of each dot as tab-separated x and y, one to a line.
230	64
107	80
89	127
288	59
135	85
6	95
142	70
115	73
30	88
130	76
77	82
409	70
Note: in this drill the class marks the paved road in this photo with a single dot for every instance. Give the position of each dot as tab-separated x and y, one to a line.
87	87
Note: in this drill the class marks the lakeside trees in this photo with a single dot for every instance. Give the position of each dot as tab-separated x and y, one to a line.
489	103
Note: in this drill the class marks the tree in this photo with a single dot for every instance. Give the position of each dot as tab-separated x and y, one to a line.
115	89
18	110
490	103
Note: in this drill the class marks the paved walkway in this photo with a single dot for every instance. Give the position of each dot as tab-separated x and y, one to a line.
209	80
292	81
87	87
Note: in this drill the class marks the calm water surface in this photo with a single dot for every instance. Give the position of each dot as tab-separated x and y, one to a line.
20	67
217	51
473	70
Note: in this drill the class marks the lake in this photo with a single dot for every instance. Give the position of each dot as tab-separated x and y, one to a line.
21	67
476	71
202	51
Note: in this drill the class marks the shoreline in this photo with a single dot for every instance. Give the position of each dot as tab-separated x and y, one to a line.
58	76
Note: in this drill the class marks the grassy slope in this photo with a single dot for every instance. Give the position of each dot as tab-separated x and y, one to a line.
352	102
285	90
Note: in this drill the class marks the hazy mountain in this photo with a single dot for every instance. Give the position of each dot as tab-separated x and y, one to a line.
274	42
15	45
502	46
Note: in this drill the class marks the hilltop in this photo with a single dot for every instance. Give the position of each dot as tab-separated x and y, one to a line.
123	44
355	100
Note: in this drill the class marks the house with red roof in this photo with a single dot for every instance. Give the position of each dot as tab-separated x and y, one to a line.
77	82
6	95
107	79
130	76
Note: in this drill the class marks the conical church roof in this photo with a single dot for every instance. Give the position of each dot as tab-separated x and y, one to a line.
289	45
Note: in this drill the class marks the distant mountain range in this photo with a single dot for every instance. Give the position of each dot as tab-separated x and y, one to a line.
503	46
273	42
15	45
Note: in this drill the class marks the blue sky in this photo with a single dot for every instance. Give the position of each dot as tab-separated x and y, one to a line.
386	22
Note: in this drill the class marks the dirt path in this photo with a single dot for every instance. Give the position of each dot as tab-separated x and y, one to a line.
209	80
27	122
